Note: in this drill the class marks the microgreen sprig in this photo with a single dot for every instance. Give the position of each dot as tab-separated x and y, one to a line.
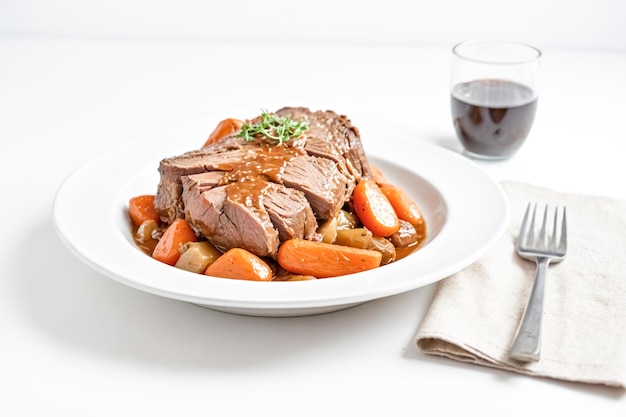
280	129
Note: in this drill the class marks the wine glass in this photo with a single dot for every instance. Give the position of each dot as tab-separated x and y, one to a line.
494	90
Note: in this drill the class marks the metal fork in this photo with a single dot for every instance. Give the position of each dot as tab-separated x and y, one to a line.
542	249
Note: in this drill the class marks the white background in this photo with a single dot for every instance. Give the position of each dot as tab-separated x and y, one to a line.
546	23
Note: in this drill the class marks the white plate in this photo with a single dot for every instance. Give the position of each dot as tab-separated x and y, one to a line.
465	210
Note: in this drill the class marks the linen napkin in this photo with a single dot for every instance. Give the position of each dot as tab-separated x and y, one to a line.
475	313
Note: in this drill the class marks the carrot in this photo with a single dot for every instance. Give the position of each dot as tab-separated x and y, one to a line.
141	208
224	128
238	263
404	206
374	209
323	260
178	233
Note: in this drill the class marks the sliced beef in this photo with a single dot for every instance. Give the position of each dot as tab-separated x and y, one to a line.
203	181
167	201
326	188
227	218
332	136
290	212
226	222
256	194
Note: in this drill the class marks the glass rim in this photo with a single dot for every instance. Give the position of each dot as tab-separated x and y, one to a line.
536	52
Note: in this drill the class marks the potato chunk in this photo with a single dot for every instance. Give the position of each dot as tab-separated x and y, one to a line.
197	256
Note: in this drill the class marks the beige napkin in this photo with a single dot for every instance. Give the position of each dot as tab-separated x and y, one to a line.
474	313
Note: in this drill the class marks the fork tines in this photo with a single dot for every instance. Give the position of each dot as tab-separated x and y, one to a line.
555	240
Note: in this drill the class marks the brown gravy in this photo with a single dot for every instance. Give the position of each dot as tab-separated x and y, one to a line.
247	178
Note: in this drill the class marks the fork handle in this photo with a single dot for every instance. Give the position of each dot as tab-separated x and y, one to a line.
527	343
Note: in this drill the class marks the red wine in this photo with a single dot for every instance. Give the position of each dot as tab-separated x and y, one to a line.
492	117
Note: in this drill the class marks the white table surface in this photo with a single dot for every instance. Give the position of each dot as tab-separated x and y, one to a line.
75	343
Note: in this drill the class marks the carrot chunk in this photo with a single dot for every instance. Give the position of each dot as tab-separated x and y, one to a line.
374	209
141	208
404	206
178	233
238	263
323	260
224	128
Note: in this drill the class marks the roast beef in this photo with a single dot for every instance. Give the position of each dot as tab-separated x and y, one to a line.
229	223
326	187
257	194
332	136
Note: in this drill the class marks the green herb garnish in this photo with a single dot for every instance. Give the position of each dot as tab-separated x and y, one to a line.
280	129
